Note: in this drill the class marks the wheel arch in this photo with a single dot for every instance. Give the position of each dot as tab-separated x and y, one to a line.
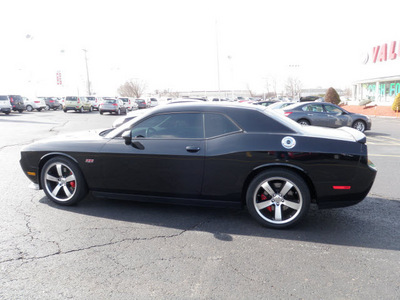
281	166
45	158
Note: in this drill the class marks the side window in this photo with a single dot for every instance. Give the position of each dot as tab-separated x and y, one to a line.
332	109
217	124
313	108
175	125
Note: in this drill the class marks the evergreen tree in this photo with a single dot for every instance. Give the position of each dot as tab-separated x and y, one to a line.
332	96
396	103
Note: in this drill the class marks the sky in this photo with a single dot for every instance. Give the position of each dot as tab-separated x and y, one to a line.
188	45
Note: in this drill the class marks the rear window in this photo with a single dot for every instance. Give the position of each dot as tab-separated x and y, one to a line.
110	101
140	101
71	98
3	98
91	98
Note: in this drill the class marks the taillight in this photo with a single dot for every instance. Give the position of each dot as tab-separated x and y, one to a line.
51	101
36	101
79	101
115	104
287	113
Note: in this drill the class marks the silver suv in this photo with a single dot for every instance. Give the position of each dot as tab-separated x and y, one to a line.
5	105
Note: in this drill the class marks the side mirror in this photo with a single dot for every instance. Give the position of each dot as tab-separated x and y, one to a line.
127	137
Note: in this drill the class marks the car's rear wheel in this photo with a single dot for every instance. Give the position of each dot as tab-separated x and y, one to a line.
118	111
39	109
91	109
29	108
62	181
278	198
359	125
47	107
101	112
81	109
303	122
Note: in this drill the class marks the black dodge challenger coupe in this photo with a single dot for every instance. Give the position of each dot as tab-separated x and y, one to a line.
208	154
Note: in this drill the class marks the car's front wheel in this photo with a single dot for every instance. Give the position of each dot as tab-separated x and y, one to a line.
63	181
278	198
29	108
359	125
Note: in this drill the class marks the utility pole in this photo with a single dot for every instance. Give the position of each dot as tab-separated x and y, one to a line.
87	73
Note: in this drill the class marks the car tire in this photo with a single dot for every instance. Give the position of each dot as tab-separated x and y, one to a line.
81	109
29	108
7	113
39	109
359	125
278	198
91	109
62	181
118	111
303	122
64	110
47	107
20	111
101	112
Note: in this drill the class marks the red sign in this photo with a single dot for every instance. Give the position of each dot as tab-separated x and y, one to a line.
59	81
384	53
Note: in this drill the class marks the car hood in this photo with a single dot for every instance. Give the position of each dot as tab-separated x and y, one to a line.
342	133
76	141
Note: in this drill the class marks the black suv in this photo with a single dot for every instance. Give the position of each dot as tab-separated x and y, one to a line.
17	103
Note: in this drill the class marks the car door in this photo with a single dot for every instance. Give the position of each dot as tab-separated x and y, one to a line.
165	157
316	114
336	116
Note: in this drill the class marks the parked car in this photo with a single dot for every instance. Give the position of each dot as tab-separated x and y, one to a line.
222	155
127	102
112	106
280	104
17	103
95	101
265	103
129	116
32	103
154	102
141	103
52	103
327	115
77	103
312	98
5	105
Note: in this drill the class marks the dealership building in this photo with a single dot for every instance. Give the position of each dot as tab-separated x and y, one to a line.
381	73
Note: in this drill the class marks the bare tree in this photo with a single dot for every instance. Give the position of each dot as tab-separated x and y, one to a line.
132	88
293	86
270	87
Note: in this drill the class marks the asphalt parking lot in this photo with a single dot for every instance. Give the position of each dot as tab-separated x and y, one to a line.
109	249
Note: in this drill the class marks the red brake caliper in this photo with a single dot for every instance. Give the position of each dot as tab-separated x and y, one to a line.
72	183
263	198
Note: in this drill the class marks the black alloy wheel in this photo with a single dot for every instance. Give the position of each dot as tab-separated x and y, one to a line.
62	181
278	198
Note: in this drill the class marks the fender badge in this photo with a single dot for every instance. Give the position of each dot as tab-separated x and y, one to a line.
89	160
288	142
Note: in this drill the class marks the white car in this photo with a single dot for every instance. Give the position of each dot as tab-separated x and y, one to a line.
5	105
128	102
32	103
95	101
